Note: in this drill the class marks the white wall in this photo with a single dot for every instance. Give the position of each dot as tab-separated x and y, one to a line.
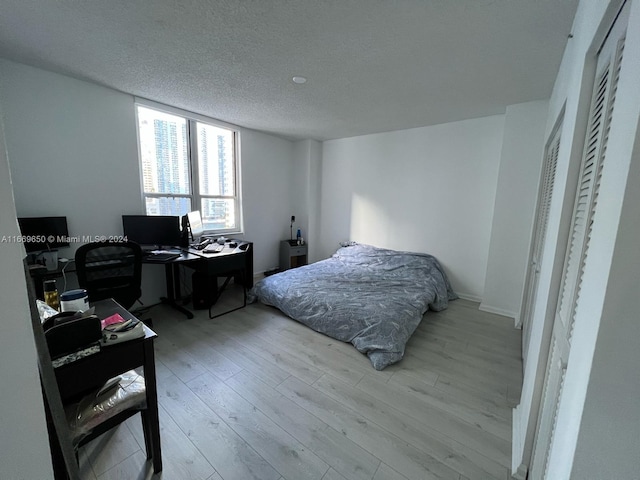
428	189
73	149
606	301
305	191
593	400
24	445
572	90
73	152
610	424
514	211
267	174
315	199
299	189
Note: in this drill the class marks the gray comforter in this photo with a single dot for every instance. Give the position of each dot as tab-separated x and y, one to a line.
369	296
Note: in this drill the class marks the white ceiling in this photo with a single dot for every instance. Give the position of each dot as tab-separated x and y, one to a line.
372	65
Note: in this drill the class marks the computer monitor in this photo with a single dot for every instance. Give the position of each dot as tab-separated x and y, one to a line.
152	230
194	225
44	233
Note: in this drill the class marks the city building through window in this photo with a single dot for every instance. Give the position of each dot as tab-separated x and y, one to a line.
189	164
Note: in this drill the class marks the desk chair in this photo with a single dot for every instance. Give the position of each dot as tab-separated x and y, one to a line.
110	270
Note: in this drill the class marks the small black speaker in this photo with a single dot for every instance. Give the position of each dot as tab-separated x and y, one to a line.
204	290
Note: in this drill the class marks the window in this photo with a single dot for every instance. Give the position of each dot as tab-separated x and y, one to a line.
189	164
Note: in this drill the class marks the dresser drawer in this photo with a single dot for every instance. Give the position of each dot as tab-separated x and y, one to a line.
301	250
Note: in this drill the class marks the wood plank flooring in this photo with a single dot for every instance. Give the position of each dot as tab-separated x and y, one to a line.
253	395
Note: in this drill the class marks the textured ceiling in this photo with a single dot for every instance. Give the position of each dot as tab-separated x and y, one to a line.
372	65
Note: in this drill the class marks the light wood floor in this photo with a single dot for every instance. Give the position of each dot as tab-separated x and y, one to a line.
255	395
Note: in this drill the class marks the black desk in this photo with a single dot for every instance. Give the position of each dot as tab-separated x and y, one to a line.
230	261
90	372
172	277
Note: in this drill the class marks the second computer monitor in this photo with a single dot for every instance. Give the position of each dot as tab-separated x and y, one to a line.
152	230
40	234
195	225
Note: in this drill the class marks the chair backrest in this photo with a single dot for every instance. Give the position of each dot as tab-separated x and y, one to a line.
110	270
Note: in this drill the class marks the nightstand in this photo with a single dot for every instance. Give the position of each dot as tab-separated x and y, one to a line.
292	255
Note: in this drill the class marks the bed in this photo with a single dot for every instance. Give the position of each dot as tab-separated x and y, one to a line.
369	296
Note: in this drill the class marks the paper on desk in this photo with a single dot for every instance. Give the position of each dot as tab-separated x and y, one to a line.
115	318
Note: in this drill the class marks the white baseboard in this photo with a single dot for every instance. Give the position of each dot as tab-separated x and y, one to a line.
518	469
498	311
517	322
471	298
521	473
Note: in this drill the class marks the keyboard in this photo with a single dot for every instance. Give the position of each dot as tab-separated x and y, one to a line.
160	257
213	248
202	244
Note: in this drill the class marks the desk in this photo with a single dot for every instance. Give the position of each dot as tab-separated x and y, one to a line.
229	261
172	277
90	372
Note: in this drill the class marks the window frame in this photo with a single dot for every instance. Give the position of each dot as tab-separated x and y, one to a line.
195	197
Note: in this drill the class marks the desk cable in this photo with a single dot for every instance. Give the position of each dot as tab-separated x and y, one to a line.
64	274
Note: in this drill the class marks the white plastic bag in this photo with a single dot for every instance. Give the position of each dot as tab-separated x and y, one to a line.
128	391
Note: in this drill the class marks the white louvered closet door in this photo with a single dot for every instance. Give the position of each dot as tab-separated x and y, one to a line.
602	105
540	231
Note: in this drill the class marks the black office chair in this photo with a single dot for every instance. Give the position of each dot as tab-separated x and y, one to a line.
110	270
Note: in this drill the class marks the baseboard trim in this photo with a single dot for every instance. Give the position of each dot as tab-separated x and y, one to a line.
521	473
471	298
519	470
498	311
517	322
